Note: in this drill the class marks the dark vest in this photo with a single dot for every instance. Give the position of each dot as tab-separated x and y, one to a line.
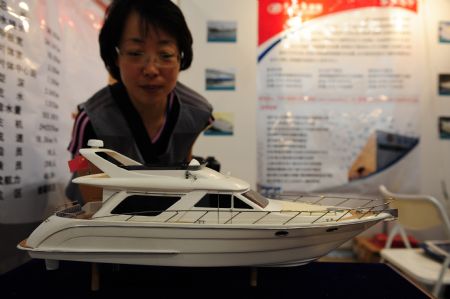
110	126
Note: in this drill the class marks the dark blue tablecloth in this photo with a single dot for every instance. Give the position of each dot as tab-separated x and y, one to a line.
315	280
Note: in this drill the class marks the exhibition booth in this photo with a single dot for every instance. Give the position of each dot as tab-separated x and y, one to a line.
323	170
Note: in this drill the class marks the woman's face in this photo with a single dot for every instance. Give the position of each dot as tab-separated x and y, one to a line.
149	64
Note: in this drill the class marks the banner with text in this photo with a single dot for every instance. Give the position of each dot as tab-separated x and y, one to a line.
338	93
49	62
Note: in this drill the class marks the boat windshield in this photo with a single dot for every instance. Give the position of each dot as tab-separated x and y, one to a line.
256	198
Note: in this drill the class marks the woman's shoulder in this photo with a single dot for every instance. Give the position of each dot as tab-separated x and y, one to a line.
190	97
100	98
82	131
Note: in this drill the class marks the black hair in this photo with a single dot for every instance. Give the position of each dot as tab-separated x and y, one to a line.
160	14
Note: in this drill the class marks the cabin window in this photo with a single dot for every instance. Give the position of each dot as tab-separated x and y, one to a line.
109	158
145	205
256	198
239	204
215	201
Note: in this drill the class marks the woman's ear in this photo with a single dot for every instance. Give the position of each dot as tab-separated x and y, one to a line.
111	80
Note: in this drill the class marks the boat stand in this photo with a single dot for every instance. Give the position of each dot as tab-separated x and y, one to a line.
95	277
253	277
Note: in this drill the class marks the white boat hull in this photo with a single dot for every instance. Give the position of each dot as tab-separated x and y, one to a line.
194	245
192	216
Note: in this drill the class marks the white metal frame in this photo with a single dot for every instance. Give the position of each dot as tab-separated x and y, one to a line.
411	260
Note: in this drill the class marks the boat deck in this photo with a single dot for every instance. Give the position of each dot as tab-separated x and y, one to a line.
215	216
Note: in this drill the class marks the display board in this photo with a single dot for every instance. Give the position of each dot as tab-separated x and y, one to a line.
338	94
49	63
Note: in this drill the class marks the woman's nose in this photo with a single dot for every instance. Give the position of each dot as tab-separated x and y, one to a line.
150	68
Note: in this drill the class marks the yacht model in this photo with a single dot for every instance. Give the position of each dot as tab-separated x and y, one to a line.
193	216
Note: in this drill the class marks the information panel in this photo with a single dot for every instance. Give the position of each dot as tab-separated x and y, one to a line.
49	63
338	91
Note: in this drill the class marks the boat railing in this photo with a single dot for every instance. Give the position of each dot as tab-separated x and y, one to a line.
336	208
227	216
337	200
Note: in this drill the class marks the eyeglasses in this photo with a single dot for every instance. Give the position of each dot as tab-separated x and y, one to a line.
141	58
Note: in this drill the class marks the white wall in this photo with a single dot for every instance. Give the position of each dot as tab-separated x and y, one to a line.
435	153
237	153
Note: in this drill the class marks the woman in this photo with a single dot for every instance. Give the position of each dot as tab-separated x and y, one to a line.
146	115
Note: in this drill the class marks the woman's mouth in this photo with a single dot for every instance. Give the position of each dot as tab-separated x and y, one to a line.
151	88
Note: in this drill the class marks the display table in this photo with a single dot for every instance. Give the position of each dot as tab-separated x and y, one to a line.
315	280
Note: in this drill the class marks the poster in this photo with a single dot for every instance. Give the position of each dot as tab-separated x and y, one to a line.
49	63
338	92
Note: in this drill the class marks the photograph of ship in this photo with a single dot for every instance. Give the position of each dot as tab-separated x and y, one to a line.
444	84
222	125
220	79
222	31
382	150
444	127
444	32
